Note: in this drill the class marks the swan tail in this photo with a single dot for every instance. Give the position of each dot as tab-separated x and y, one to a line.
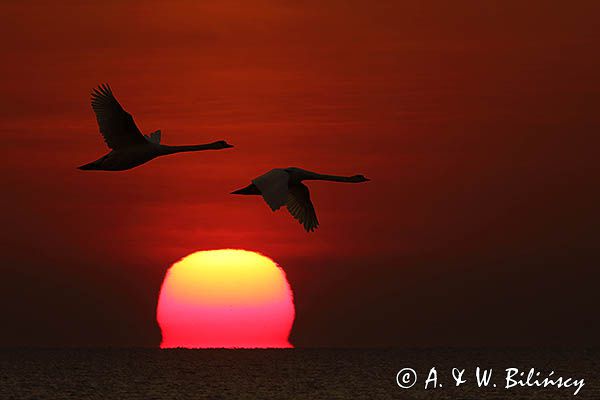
89	166
94	165
248	190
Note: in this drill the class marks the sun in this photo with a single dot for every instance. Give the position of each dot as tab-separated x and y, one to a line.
225	298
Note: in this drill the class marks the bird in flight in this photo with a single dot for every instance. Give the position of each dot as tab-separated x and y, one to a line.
129	147
283	186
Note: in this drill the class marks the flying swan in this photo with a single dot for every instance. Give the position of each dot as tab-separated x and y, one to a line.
283	186
129	147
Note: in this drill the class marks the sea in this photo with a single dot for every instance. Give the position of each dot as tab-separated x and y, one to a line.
315	373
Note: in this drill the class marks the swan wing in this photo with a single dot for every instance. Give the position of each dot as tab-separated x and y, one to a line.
153	137
274	187
116	125
301	208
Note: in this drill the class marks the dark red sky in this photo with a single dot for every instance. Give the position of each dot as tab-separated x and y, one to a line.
477	121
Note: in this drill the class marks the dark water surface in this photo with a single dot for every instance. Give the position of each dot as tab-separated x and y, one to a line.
284	374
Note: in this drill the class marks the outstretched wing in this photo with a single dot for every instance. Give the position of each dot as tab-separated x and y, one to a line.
301	208
116	125
274	187
153	137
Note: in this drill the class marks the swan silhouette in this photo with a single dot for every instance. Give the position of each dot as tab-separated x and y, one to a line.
283	186
129	147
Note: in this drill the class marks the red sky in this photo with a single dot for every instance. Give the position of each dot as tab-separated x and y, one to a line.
476	121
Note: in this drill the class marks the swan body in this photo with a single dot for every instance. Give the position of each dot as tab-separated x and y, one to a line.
283	186
129	147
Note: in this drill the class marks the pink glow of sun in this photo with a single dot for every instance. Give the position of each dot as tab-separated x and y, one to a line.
225	298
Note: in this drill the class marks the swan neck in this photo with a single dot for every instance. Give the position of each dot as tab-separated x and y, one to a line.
333	178
185	148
